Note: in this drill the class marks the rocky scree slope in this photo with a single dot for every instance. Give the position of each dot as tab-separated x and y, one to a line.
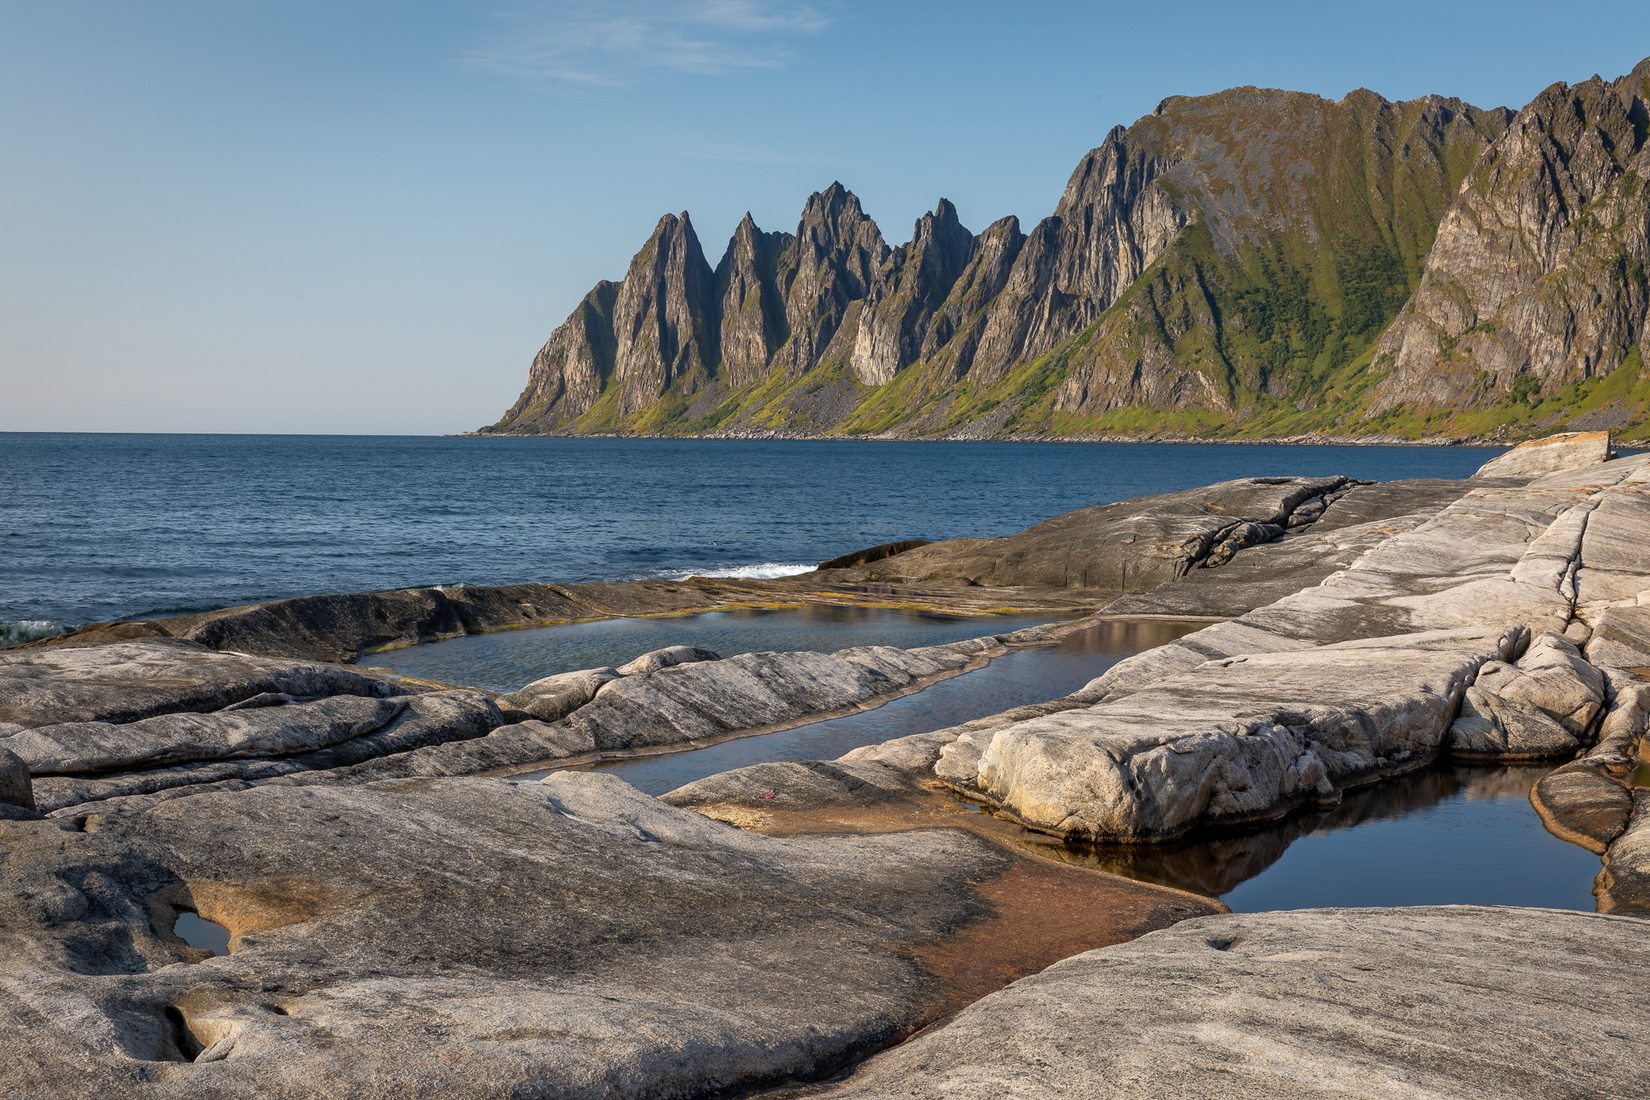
1250	263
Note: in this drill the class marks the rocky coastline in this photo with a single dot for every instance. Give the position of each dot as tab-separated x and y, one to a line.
403	918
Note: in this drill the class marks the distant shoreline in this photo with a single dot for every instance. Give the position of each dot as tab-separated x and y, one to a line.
803	437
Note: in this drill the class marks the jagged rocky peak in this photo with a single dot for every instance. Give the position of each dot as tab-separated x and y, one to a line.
1254	254
571	368
954	333
1537	278
662	317
752	308
838	257
895	319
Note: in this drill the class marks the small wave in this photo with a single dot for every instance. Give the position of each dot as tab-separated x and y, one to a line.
761	571
18	631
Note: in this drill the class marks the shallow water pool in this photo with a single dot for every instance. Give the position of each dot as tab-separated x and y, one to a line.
1446	835
506	660
1018	677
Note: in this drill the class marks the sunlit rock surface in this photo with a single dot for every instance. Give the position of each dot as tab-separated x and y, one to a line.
1454	1001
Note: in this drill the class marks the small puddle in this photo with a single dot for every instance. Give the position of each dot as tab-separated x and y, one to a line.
1641	775
196	931
1014	679
509	659
1446	835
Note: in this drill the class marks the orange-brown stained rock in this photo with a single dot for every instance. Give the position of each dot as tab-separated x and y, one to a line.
1043	909
1045	913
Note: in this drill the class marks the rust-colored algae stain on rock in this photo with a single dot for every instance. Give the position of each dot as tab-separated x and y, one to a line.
244	908
1041	910
1042	913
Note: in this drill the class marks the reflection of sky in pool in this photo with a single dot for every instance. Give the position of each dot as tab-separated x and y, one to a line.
508	659
1442	836
196	931
1014	679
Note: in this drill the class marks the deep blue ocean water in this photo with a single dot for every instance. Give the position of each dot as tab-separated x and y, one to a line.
102	526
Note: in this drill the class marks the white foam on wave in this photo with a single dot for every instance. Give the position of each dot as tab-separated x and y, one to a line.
759	571
18	631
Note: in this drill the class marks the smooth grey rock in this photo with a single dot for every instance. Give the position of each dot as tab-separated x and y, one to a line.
1589	801
1132	546
468	938
555	697
127	681
668	657
1234	741
16	788
1564	451
1542	707
703	700
191	754
82	747
1356	677
1433	1002
1624	887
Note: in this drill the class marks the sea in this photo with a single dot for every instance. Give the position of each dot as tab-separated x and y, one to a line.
98	527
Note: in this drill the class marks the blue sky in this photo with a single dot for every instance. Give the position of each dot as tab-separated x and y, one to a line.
357	217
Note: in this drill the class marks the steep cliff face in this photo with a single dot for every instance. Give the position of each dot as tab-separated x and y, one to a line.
1537	279
1254	262
752	309
664	318
1306	223
895	319
838	260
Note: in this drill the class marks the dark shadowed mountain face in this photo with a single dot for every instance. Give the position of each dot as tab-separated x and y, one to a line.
1250	263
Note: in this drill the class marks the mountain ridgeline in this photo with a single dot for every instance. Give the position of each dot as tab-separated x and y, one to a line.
1249	264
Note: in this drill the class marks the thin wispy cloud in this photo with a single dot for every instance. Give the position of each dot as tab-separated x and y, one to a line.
595	44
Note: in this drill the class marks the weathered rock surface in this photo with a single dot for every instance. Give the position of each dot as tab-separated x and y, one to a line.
348	626
128	681
1538	270
1320	541
16	786
90	766
1317	1003
1131	546
1357	677
555	697
472	937
694	702
1625	882
1542	707
1565	451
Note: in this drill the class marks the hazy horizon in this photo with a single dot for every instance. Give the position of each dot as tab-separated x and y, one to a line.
291	219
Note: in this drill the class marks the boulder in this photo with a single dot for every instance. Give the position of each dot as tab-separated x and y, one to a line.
1542	707
16	788
555	697
668	657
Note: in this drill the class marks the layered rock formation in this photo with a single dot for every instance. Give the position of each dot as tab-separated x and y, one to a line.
1217	1007
1501	618
1253	262
1537	278
474	937
395	923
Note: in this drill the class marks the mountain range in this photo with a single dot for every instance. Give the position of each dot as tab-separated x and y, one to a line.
1250	264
